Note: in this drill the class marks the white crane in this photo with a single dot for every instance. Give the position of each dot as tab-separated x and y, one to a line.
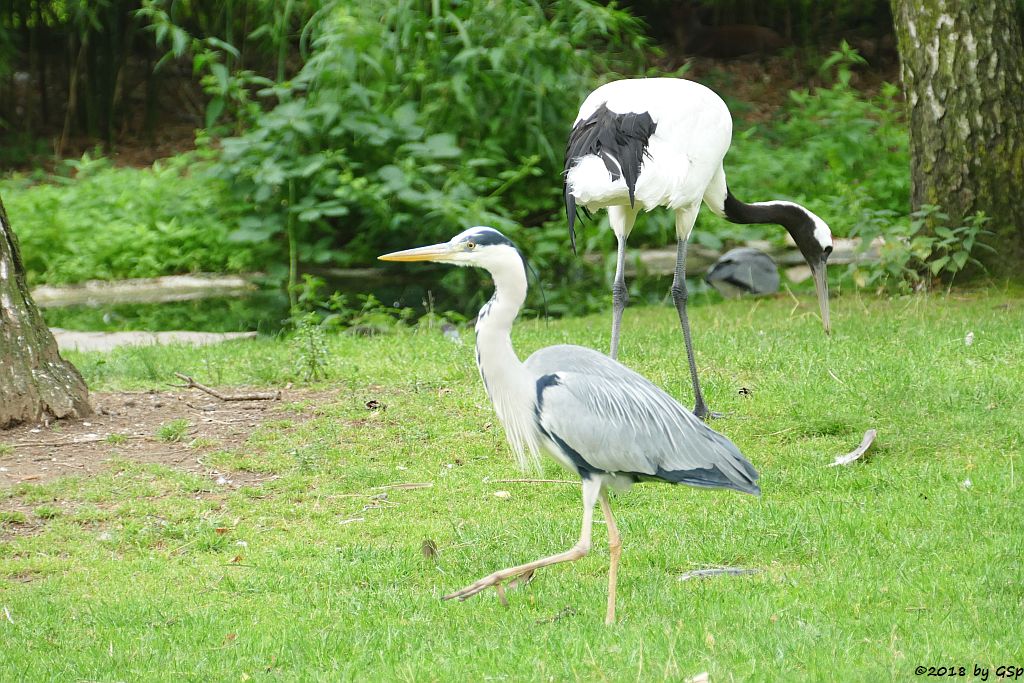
638	144
593	415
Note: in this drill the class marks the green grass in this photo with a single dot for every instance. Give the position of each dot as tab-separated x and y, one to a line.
868	570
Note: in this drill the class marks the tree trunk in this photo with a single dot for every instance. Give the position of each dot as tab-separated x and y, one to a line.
35	382
963	75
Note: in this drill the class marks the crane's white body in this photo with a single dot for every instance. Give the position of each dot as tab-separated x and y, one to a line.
638	144
683	163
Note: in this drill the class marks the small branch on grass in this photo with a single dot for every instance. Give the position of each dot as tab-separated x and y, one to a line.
254	396
488	480
7	613
351	520
704	573
69	442
865	444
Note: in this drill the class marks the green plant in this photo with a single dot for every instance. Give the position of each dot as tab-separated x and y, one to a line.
912	252
12	517
173	431
91	220
309	344
47	512
397	127
115	439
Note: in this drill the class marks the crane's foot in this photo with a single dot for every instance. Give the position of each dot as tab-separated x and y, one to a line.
706	414
518	578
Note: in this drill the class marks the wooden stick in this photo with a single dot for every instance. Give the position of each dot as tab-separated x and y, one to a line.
488	480
703	573
256	396
71	442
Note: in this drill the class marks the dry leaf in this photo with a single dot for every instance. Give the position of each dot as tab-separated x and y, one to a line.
502	494
702	677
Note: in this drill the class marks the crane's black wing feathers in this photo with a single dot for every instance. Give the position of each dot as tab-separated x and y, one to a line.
619	139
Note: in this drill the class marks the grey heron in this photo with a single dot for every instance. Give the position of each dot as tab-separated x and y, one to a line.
593	415
647	142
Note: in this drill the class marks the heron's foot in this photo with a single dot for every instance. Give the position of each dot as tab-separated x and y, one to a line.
519	577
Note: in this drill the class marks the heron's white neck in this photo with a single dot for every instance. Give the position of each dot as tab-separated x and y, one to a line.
510	386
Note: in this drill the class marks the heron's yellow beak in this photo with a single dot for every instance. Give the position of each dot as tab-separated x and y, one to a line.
431	253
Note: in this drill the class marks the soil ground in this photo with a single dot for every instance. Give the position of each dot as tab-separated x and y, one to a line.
125	425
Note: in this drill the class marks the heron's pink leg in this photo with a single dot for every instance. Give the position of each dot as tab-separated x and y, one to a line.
591	489
615	549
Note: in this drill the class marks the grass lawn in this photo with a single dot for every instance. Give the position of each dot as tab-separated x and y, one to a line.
910	557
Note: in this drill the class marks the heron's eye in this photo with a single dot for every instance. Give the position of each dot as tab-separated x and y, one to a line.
470	245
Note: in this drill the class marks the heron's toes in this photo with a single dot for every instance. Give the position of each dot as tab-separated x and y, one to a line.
495	580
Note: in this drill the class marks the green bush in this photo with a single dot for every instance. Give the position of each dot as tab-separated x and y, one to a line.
109	223
911	258
410	121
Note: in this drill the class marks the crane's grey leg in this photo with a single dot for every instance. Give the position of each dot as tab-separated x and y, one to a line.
684	224
620	296
621	219
591	490
615	550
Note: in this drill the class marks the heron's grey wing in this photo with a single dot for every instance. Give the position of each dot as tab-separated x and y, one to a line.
607	418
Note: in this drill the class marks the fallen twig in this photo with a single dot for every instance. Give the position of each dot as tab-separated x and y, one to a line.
69	442
254	396
7	613
703	573
351	520
488	480
865	444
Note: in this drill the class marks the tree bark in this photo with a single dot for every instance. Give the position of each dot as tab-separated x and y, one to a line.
963	75
35	382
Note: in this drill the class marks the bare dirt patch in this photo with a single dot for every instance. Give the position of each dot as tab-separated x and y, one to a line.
126	425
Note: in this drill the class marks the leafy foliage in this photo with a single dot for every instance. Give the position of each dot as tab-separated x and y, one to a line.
97	221
409	120
909	256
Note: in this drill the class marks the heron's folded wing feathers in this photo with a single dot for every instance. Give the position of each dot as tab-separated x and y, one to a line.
617	421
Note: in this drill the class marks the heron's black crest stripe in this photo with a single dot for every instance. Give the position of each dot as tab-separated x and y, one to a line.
486	238
619	139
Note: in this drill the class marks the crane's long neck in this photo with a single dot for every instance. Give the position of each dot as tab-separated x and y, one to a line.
510	386
810	233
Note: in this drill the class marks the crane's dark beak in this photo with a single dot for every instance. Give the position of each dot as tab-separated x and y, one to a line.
434	252
820	273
